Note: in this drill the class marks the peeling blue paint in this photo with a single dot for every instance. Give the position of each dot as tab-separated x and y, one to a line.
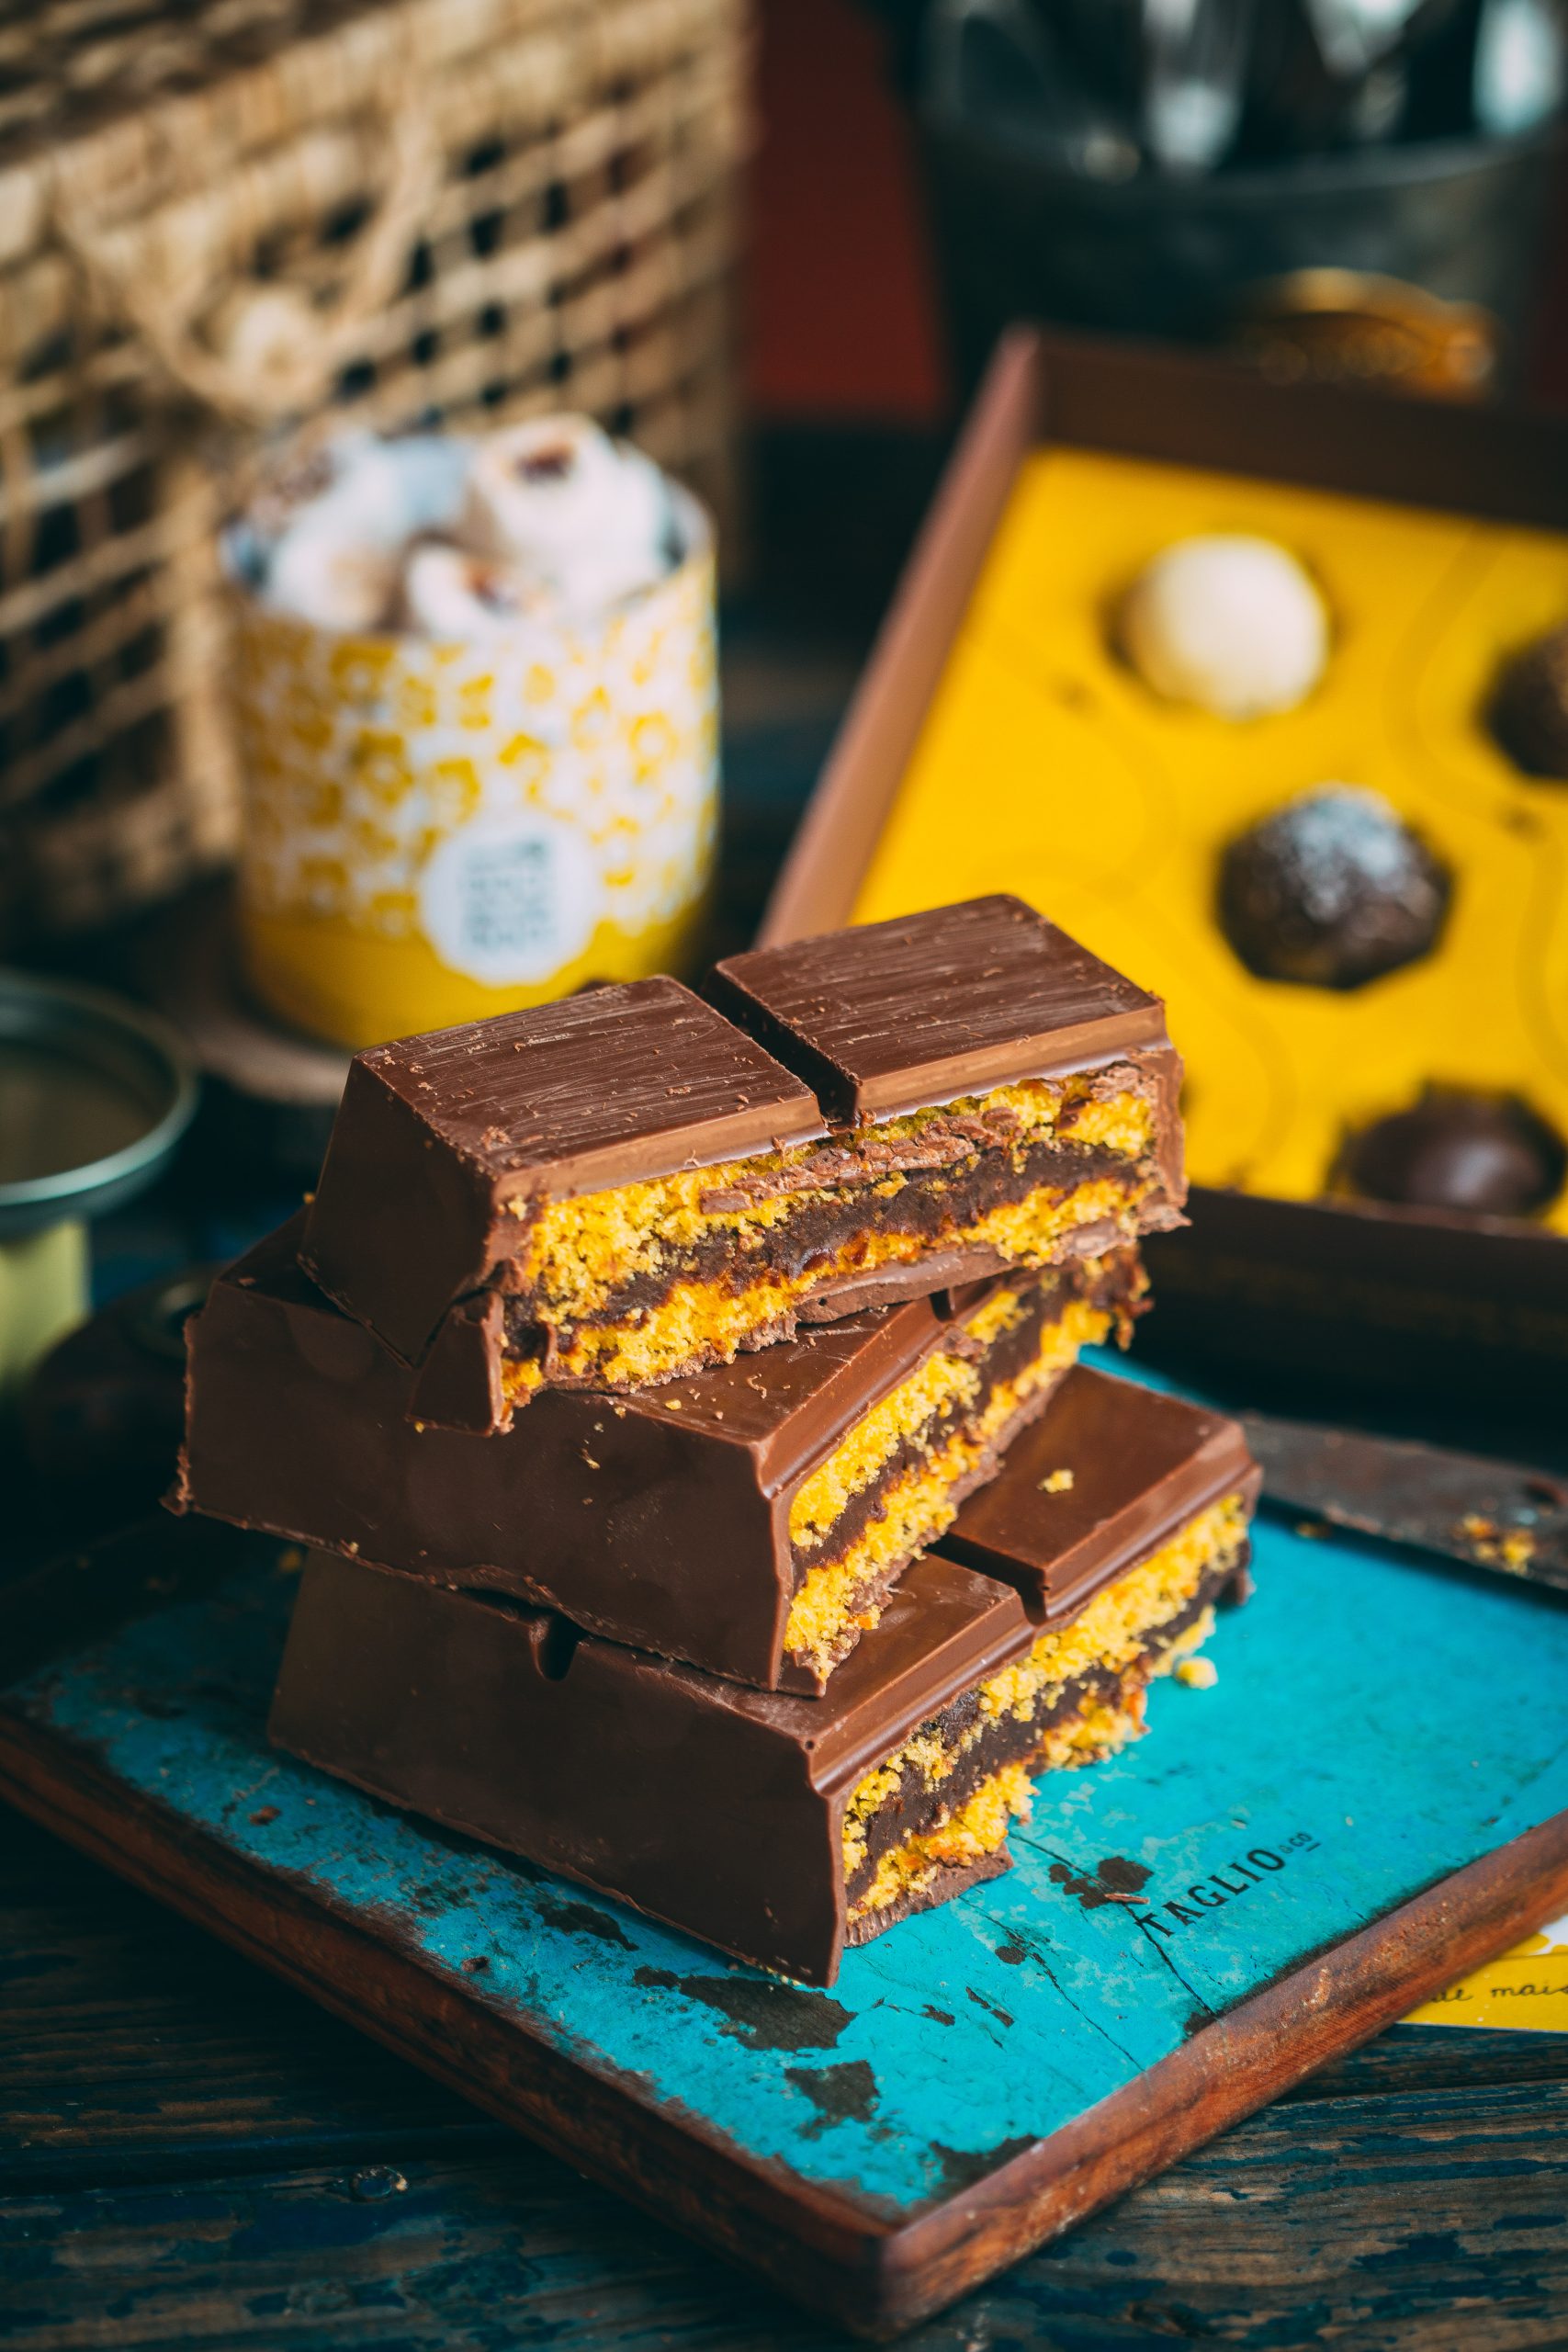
1376	1724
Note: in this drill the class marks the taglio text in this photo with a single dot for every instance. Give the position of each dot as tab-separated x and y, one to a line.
1241	1873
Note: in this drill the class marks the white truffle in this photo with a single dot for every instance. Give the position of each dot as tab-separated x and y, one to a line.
586	516
1231	623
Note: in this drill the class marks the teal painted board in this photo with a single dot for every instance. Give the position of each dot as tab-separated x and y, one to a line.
1348	1756
1379	1723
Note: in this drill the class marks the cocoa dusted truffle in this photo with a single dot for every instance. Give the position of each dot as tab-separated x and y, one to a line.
1476	1154
1529	709
1331	891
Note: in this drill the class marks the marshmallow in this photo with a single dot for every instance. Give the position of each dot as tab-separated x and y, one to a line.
333	560
316	576
452	596
556	520
589	518
338	525
1229	622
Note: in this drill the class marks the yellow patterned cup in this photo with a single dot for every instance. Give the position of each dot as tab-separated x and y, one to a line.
435	832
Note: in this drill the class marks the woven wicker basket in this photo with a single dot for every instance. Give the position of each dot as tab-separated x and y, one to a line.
219	215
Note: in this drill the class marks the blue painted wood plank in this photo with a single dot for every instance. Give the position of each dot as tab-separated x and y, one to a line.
1348	1756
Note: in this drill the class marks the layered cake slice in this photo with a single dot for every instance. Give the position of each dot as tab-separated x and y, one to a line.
614	1190
750	1518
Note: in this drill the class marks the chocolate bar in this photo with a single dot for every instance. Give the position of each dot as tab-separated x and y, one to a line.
1120	1519
750	1518
779	1828
612	1191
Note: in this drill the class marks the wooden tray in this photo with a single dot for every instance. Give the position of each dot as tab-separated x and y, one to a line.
993	744
1289	1862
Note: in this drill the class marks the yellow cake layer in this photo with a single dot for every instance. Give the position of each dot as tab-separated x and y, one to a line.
580	1251
979	1828
1102	1729
944	1379
1114	1628
1113	1634
917	1506
709	1321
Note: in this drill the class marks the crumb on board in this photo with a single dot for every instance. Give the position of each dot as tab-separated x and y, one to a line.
1056	1483
1315	1530
1197	1673
1511	1549
291	1560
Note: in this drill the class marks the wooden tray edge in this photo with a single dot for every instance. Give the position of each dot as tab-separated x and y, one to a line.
821	2250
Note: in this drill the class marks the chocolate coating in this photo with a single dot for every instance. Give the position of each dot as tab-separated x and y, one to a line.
436	1136
661	1521
1142	1465
1477	1154
714	1808
1331	891
1530	707
887	1016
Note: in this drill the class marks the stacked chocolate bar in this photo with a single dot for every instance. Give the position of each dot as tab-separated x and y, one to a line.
679	1395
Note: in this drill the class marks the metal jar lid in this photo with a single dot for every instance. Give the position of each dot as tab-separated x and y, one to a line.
95	1093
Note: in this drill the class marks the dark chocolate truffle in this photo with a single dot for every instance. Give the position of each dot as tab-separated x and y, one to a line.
1332	890
1529	709
1479	1155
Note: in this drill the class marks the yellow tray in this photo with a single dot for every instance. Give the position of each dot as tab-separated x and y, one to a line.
1107	807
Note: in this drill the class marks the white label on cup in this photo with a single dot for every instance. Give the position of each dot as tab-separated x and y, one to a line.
511	900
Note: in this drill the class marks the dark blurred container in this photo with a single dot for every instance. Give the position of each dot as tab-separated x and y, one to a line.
1020	234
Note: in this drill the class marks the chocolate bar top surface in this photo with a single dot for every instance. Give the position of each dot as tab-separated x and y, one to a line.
616	1084
1141	1466
944	1630
788	1404
889	1015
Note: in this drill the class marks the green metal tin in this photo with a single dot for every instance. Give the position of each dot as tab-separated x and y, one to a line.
93	1096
